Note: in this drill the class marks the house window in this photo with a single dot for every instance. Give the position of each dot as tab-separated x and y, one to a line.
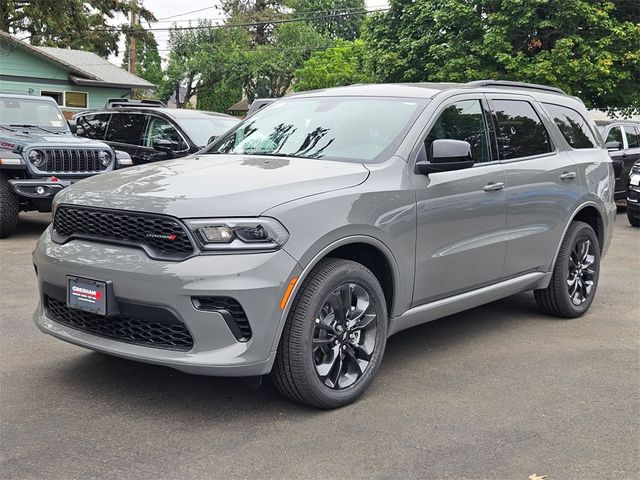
57	96
75	99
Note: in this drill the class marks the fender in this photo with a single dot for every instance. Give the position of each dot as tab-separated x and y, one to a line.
319	256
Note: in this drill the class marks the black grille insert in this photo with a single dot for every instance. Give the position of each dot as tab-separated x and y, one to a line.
61	160
160	236
231	311
172	335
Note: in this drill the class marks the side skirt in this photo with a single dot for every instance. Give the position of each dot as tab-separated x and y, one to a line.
464	301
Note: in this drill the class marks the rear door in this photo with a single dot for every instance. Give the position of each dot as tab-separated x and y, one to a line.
126	132
542	182
618	156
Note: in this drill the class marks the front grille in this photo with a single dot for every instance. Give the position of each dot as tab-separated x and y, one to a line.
61	160
172	335
231	311
160	236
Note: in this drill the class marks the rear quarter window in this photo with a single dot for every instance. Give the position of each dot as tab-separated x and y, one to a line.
520	131
572	125
93	126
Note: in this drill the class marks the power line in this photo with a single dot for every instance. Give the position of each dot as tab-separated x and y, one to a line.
248	24
186	13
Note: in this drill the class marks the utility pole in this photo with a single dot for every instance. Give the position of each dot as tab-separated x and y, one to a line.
133	52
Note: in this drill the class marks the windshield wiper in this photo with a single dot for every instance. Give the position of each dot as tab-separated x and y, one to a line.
26	125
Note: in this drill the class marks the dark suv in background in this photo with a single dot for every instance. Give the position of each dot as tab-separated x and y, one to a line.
39	156
623	143
149	131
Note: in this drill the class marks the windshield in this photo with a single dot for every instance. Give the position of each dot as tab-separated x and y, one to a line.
26	111
361	129
201	129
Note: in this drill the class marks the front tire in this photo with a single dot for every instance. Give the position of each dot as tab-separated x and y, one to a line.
9	208
575	275
634	221
334	338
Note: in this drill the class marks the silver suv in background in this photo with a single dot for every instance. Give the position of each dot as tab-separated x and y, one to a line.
299	241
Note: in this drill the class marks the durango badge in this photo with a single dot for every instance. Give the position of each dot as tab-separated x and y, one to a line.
162	236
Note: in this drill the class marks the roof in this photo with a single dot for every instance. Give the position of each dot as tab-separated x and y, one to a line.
85	68
241	106
425	89
177	113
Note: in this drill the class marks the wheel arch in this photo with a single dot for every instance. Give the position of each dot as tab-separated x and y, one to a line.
363	249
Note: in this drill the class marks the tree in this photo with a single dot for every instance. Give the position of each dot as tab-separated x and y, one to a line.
342	64
201	58
345	23
149	63
260	12
269	69
587	48
80	24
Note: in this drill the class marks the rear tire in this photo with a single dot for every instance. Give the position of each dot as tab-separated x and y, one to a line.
575	275
334	337
9	208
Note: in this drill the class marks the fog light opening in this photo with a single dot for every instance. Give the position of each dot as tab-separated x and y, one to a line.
40	190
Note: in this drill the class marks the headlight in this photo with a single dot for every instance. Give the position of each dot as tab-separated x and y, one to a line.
105	157
37	158
238	233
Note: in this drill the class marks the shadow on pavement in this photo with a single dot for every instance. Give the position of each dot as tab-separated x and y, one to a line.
138	386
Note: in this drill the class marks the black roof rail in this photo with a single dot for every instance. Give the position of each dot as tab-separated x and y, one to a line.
510	84
127	102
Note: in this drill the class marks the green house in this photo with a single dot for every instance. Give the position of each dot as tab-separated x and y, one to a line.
76	79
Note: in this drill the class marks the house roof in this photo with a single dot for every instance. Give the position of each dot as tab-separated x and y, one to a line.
241	106
85	68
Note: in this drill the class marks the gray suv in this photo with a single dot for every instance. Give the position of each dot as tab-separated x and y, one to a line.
299	241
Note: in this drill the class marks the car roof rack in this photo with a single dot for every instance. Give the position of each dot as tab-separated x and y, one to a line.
510	84
127	102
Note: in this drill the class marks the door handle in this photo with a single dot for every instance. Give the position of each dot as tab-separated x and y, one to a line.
493	186
568	175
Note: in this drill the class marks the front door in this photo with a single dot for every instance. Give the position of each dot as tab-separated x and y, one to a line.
461	218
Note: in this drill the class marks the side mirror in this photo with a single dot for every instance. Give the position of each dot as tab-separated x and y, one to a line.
164	145
613	146
73	126
446	155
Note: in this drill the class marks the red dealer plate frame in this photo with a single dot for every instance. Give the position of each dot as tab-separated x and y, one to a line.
87	295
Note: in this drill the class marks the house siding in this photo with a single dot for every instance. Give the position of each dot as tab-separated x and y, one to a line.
23	73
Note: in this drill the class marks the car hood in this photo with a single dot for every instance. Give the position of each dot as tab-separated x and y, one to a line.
37	138
213	185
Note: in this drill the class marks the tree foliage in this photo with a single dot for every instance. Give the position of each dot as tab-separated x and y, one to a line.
79	24
149	63
345	16
343	64
589	48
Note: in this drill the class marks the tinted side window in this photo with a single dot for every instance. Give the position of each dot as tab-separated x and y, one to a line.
615	135
520	130
632	136
462	121
127	128
160	129
93	126
572	125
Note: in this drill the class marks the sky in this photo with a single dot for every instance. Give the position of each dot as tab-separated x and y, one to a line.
169	11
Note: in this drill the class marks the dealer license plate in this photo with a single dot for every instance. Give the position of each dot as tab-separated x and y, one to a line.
87	295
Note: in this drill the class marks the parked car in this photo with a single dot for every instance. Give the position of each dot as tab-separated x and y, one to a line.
633	195
148	132
623	142
39	156
300	240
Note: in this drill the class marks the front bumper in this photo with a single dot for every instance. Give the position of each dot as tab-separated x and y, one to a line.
256	281
38	188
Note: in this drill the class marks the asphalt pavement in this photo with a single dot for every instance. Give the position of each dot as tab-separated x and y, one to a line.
497	392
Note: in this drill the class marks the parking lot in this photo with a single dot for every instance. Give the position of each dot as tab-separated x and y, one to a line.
497	392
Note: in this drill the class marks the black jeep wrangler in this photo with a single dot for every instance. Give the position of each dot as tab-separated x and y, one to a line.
40	155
